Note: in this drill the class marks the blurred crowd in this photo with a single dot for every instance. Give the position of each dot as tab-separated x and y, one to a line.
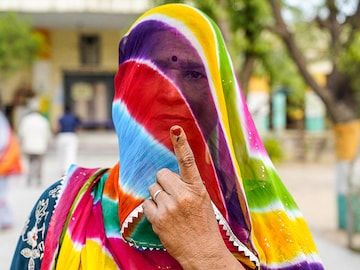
25	136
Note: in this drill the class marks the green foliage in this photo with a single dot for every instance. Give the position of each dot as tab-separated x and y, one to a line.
162	2
250	16
247	21
349	60
284	74
349	64
274	149
19	45
210	7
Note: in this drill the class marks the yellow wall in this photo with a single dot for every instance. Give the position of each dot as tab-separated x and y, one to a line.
62	54
65	57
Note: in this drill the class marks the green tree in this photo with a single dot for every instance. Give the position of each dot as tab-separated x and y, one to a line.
19	44
337	42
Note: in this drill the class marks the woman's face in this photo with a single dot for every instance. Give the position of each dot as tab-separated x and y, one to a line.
176	58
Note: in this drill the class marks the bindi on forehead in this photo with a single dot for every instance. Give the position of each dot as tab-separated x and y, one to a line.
174	58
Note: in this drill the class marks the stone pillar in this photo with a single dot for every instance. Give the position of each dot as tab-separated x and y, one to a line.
258	103
279	111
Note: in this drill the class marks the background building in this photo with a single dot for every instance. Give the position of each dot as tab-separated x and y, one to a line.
76	67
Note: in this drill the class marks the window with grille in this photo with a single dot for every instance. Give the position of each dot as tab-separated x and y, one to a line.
90	50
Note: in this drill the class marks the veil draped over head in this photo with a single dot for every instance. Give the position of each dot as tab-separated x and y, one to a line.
174	68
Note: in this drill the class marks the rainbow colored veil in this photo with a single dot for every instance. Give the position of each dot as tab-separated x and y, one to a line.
250	199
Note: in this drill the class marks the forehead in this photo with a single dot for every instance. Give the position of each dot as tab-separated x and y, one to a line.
170	45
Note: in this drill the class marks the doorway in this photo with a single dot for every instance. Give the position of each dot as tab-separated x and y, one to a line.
90	95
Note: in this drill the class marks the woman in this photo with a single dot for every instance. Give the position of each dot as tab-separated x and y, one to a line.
204	197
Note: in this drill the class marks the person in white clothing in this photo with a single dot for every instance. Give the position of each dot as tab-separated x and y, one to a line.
67	139
35	134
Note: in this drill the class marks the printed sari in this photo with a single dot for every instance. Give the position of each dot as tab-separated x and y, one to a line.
174	68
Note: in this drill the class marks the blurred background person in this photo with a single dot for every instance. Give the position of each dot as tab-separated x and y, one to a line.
67	139
10	164
35	135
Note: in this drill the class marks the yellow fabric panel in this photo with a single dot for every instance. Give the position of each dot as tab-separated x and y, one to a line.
91	256
280	237
94	258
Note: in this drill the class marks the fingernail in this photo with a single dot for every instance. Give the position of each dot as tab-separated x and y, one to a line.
176	131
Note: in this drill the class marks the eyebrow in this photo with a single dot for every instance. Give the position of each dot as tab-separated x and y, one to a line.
181	63
190	64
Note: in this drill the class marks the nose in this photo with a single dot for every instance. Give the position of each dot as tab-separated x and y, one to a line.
171	94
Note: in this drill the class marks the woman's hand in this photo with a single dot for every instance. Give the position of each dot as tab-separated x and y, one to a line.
182	216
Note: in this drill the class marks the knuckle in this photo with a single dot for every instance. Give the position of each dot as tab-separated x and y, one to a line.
162	173
187	160
202	192
202	195
186	200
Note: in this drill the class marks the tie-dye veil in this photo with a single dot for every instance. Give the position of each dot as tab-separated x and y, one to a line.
174	68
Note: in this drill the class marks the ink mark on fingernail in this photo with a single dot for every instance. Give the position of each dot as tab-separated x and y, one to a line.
177	138
176	131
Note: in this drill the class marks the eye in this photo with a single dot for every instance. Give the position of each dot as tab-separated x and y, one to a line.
193	75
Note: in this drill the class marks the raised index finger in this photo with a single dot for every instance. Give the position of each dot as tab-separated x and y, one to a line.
185	157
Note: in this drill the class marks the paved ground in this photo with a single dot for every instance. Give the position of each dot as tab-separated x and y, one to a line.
312	185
